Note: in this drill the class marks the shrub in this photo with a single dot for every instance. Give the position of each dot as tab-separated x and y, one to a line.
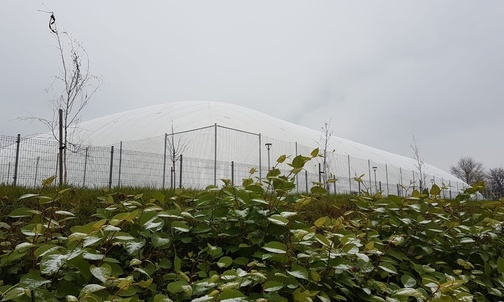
255	242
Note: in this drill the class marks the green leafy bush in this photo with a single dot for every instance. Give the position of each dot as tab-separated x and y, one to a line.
255	242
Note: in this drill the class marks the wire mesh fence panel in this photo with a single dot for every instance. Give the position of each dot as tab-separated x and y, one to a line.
201	157
197	173
7	158
139	169
37	158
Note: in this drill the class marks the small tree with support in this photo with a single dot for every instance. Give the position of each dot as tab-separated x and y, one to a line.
420	165
78	86
176	147
325	137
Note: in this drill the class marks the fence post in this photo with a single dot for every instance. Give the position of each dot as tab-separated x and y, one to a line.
386	178
164	159
36	172
120	164
320	174
369	169
111	165
260	159
349	175
306	180
85	168
172	181
215	156
17	160
398	192
57	165
61	147
297	180
413	180
232	172
8	172
180	172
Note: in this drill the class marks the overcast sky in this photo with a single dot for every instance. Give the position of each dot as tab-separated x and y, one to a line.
383	71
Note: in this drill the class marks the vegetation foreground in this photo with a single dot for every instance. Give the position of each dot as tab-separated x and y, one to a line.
254	242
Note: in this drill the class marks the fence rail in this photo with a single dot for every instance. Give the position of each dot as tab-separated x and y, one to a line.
197	158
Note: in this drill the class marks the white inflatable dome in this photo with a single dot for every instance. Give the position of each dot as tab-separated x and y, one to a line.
211	135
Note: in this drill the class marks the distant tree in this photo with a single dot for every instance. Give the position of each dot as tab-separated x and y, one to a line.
468	170
175	149
76	87
420	164
495	182
325	136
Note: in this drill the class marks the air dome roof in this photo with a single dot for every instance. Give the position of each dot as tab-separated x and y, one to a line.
156	120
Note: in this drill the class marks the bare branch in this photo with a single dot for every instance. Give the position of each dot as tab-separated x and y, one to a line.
468	170
78	85
420	165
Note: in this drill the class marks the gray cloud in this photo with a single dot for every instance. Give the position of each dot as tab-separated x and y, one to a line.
383	70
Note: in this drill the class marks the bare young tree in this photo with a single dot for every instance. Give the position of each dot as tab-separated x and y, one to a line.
468	170
420	164
75	86
325	137
495	179
176	147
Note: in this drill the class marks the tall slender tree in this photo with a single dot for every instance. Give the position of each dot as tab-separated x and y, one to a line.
74	86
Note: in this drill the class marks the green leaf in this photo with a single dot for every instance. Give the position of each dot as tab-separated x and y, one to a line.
275	247
102	272
214	251
278	220
51	263
272	286
449	286
315	152
322	239
281	159
318	190
13	293
298	272
159	196
231	295
299	161
162	298
178	286
134	246
408	281
408	292
91	288
435	190
225	262
64	213
180	226
161	240
389	268
25	196
322	221
23	212
177	264
500	265
23	247
33	280
48	181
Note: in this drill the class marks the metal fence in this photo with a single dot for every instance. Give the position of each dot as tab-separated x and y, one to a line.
197	158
